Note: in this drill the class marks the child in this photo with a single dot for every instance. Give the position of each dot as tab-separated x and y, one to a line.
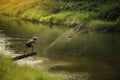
30	44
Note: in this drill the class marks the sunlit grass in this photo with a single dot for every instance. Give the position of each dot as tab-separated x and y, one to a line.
34	14
66	18
11	71
56	18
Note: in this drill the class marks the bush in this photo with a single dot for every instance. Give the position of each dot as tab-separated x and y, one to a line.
110	12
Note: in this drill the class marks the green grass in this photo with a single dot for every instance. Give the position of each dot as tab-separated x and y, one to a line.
66	12
99	25
11	71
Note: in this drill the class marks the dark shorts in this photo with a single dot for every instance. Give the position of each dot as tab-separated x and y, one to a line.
28	45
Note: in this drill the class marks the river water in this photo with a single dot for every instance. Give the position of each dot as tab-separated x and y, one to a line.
74	55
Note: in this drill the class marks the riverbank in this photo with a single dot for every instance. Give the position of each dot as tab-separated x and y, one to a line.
11	71
100	15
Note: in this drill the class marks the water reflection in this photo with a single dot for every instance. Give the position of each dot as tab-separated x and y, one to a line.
85	56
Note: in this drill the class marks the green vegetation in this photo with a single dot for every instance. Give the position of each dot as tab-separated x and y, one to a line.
11	71
101	15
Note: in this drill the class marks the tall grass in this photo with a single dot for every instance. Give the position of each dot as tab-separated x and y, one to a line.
11	71
64	12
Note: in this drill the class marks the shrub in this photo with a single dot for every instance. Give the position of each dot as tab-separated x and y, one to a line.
111	12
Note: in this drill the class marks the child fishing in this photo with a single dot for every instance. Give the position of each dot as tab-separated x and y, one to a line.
30	44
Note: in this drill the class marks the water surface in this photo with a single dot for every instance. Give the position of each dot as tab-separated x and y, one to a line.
74	55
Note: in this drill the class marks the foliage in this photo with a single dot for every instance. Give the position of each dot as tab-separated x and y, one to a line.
65	12
11	71
110	12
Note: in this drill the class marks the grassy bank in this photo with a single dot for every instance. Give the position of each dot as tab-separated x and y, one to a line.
11	71
101	15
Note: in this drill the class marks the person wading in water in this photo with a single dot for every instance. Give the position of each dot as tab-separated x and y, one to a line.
30	44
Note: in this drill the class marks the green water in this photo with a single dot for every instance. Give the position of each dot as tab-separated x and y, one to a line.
83	56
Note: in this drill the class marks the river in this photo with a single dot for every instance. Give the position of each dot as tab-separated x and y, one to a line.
74	55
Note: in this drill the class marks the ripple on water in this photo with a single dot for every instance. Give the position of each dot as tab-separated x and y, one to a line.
75	75
3	43
30	62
